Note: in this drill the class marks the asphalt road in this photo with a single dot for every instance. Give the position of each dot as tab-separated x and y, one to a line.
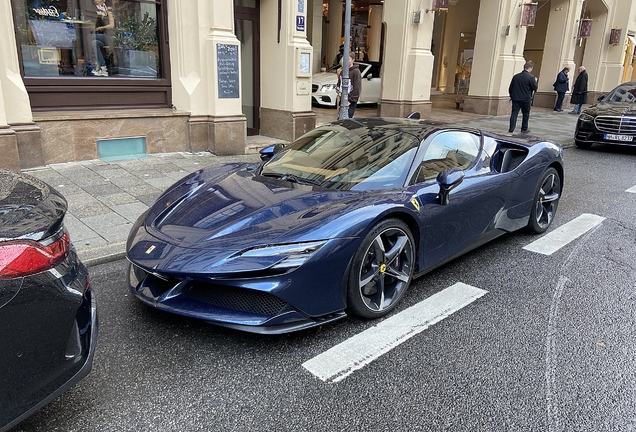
550	347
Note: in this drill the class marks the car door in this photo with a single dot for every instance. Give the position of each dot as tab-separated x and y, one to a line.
469	218
370	83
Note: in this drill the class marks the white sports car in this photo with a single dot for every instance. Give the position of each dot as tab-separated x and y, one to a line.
324	84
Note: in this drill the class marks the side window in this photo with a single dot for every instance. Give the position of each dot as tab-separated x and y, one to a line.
447	150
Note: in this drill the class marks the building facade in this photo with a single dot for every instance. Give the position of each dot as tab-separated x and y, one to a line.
87	79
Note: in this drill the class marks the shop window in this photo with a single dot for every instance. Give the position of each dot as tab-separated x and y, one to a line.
104	38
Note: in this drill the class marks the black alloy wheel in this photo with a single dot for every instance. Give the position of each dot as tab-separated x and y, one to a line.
546	200
382	269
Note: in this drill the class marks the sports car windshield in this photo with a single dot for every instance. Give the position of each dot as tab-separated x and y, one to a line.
346	159
625	93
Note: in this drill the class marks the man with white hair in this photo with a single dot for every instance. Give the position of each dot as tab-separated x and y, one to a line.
579	91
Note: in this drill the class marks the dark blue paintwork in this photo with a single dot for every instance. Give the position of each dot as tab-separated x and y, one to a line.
192	238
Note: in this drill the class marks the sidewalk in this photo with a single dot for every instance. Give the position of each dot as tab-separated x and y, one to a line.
106	198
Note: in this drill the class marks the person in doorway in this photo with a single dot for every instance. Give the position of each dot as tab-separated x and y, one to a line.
521	90
579	91
104	23
355	84
365	53
338	59
561	85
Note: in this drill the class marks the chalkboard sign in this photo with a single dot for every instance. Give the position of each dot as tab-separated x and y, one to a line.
227	71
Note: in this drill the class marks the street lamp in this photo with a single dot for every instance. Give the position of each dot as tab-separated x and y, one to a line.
344	74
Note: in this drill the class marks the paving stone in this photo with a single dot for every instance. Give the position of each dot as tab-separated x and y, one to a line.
83	205
103	189
103	221
77	229
161	183
116	199
149	199
132	211
115	234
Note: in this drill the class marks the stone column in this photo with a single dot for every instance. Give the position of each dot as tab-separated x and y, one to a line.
20	138
196	27
497	56
610	68
316	33
558	52
408	61
286	89
334	29
375	31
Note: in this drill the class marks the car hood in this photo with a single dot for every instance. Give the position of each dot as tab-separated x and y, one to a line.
210	218
612	109
324	78
29	208
241	209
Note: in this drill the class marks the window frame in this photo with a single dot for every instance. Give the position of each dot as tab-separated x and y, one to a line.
93	93
419	158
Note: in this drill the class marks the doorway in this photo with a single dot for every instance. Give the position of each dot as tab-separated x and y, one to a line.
247	29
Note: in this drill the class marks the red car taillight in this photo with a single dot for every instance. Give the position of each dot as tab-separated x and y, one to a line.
26	257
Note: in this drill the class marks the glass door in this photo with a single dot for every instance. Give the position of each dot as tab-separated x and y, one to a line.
246	25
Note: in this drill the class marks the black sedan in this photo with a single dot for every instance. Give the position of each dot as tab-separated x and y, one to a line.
48	320
338	222
611	121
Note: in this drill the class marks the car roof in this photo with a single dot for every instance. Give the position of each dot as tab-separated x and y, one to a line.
418	128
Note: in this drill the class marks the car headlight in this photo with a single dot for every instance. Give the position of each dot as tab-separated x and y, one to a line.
292	255
327	87
586	117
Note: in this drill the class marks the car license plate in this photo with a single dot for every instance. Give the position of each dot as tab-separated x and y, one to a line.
618	137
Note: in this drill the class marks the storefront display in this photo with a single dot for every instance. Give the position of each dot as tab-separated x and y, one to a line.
103	38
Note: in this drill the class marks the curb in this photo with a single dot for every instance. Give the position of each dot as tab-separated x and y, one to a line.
102	254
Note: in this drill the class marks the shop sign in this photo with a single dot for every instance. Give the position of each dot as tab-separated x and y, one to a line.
51	11
303	88
227	69
300	23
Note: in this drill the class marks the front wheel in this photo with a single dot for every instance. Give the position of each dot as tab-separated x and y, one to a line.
382	270
546	200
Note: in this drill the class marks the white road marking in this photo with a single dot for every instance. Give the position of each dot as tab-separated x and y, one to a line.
551	358
631	189
552	242
339	362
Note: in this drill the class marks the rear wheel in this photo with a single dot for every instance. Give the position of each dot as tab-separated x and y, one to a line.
546	200
582	145
382	270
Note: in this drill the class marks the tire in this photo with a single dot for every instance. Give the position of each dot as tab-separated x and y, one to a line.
582	145
546	201
382	270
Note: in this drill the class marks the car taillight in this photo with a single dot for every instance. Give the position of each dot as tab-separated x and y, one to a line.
27	257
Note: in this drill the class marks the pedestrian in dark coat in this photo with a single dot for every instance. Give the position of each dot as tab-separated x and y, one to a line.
579	91
561	85
355	84
521	89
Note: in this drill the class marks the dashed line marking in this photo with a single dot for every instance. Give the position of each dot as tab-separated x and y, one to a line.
552	242
631	189
342	360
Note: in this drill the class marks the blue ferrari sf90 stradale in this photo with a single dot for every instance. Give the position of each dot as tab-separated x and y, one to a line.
339	221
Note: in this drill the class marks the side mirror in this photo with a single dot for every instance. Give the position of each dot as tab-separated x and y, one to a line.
370	77
268	152
600	98
415	115
448	179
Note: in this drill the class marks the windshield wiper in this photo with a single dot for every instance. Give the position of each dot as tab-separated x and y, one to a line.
294	179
